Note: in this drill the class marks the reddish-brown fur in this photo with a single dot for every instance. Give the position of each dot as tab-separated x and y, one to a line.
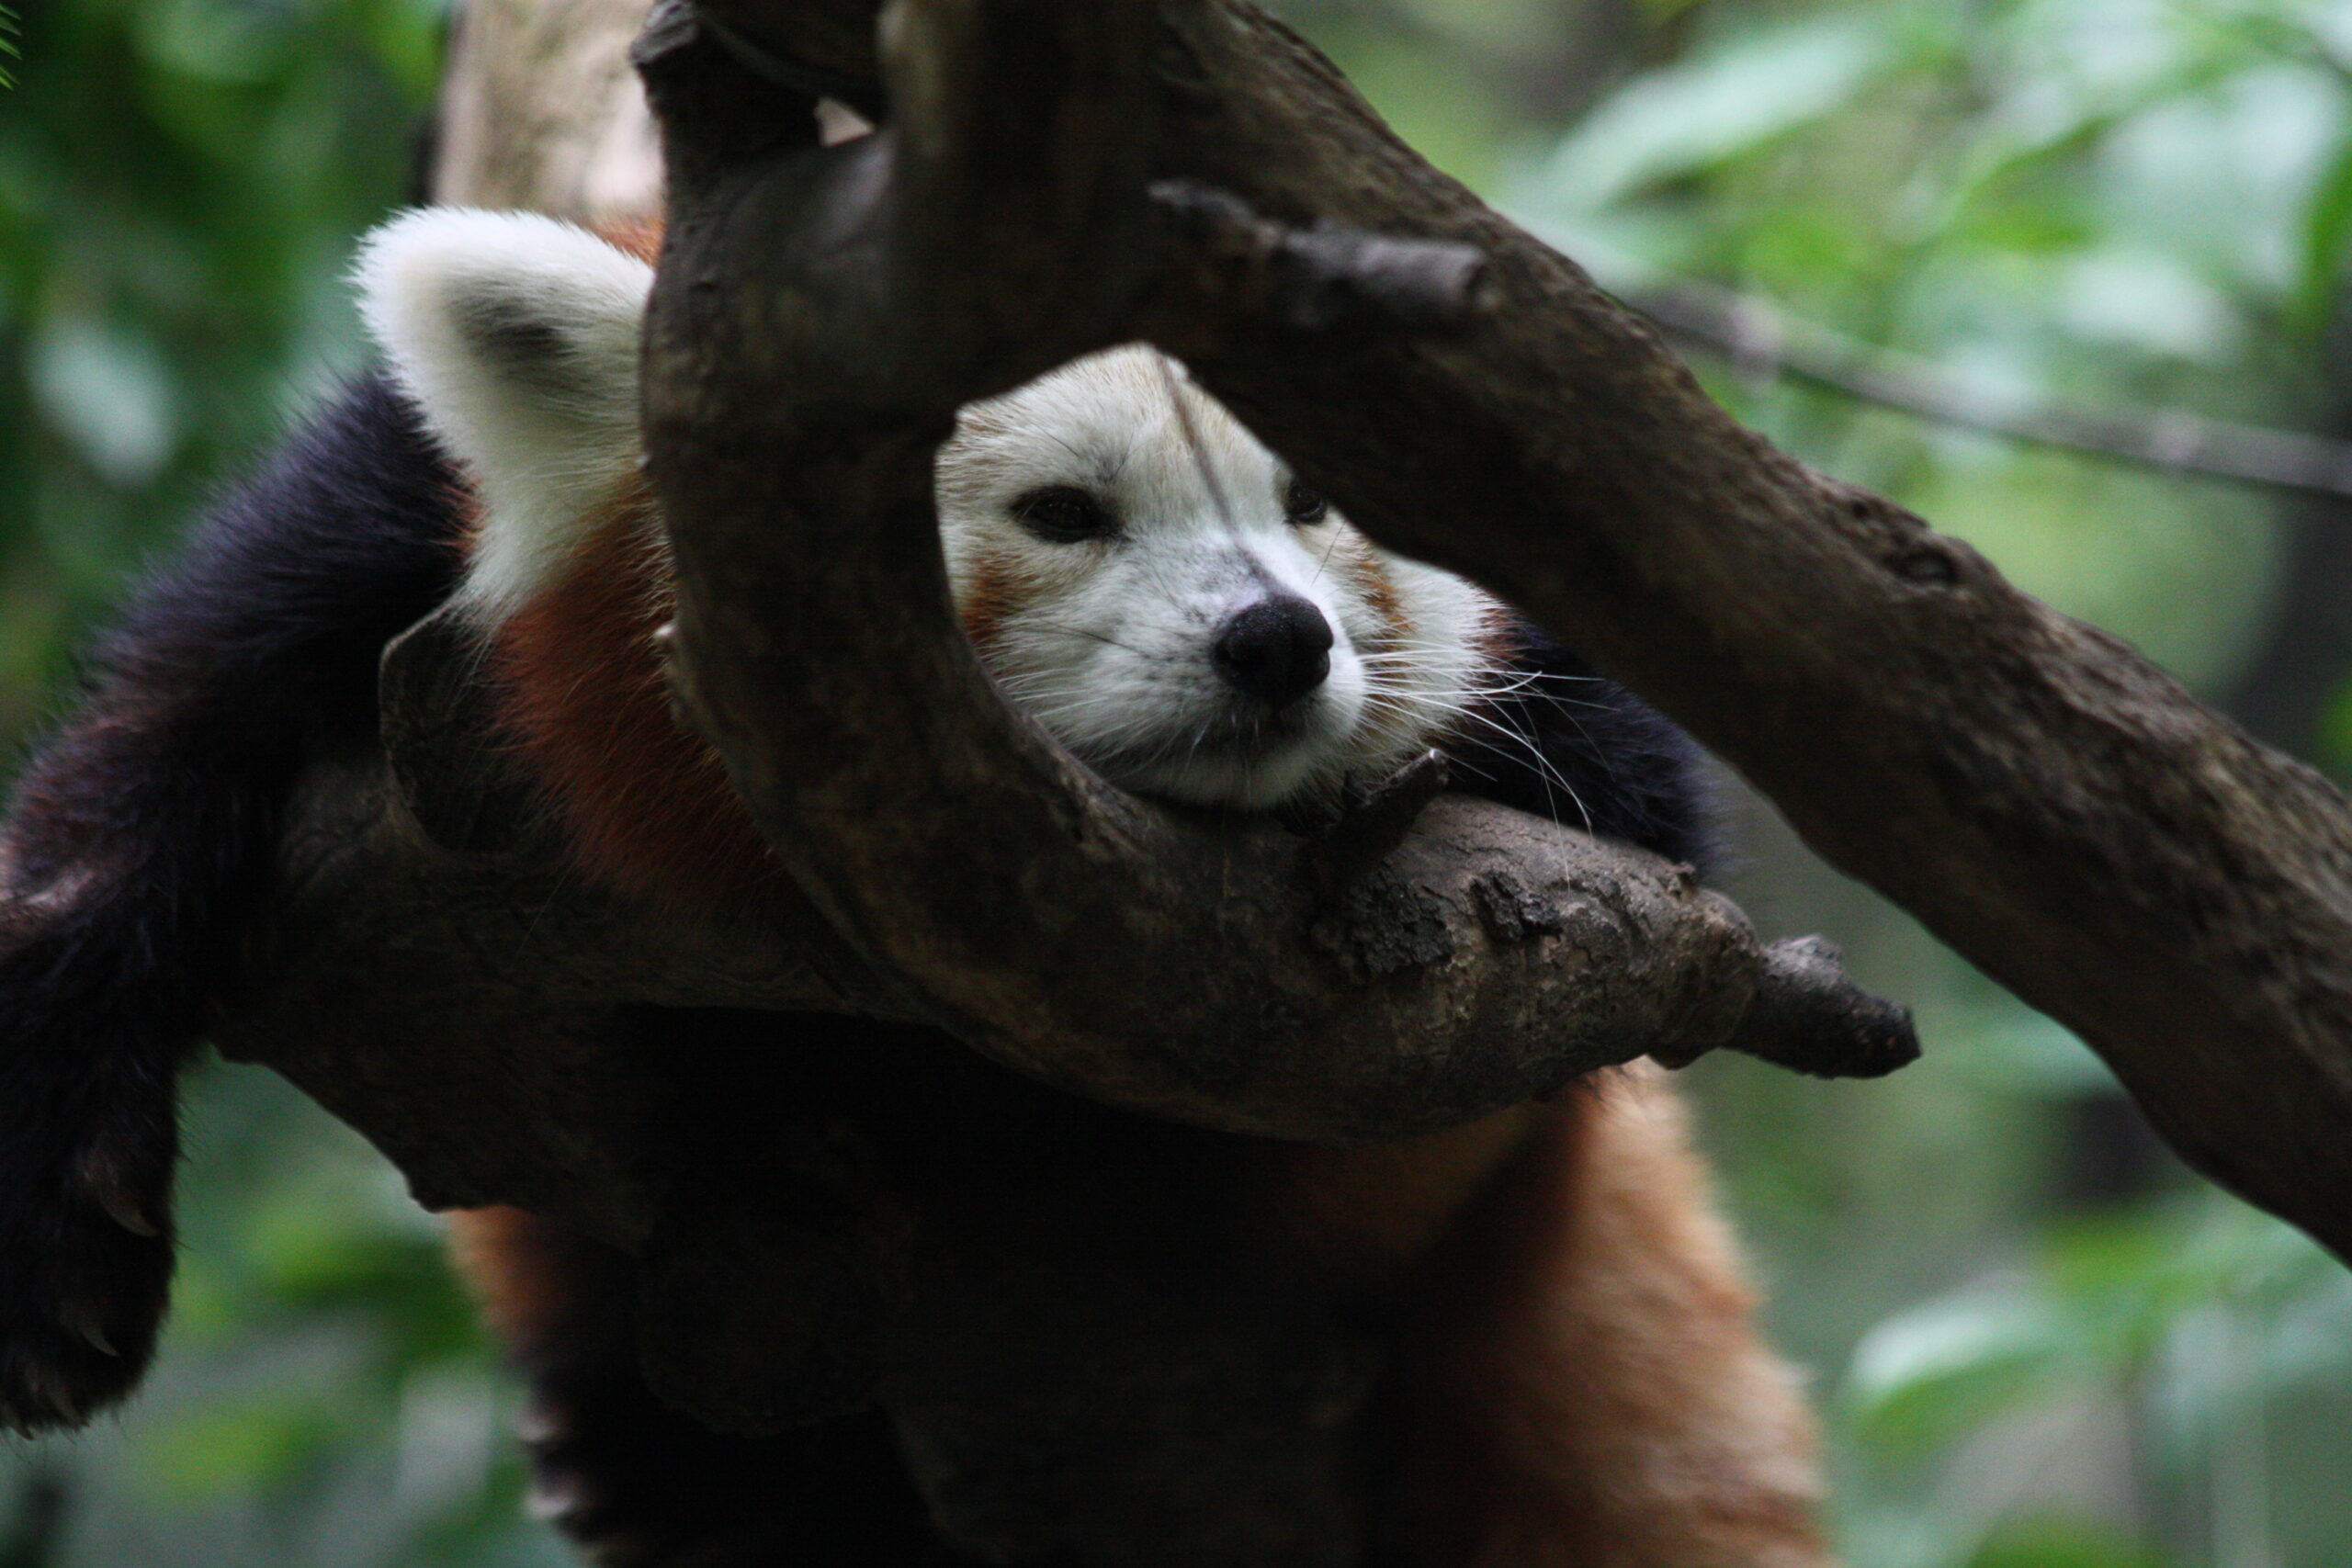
1363	571
993	592
1587	1386
521	1286
1581	1385
648	806
640	236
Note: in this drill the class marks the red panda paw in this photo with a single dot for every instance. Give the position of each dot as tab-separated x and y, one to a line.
583	1482
635	1483
86	1269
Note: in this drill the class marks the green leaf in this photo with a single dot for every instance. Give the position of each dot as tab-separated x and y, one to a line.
1730	101
1922	1378
2327	225
2062	1542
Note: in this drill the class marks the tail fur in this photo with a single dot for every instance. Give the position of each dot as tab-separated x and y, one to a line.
138	839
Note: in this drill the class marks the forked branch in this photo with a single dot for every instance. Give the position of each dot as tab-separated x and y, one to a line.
820	315
432	971
2050	804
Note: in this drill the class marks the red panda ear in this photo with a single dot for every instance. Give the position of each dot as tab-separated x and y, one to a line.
516	337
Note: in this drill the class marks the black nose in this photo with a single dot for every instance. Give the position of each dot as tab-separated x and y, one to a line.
1277	650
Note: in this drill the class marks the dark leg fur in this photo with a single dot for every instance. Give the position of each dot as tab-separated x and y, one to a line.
1583	750
137	840
637	1485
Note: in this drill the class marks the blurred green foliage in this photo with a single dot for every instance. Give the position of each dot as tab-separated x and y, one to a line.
2041	1342
179	184
2037	1341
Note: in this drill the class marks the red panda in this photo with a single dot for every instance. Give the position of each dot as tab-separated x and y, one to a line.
1559	1366
1582	1386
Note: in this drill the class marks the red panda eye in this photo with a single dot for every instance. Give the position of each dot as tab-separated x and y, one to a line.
1302	505
1064	514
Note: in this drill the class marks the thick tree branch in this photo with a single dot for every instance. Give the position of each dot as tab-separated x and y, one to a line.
541	111
820	316
2058	809
434	975
667	1079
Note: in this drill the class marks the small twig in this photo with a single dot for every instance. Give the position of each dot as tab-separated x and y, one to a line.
1374	820
1760	339
1806	1019
1317	278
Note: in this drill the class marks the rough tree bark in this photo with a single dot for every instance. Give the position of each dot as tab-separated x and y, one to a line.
432	972
2051	805
1356	980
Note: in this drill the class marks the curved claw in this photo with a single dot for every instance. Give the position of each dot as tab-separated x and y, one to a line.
120	1208
82	1323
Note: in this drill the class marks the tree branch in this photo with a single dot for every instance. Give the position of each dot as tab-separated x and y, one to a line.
2051	805
1759	339
541	111
820	318
432	975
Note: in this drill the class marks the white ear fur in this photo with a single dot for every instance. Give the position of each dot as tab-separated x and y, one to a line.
517	338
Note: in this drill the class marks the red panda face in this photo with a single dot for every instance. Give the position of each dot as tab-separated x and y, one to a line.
1175	606
1138	572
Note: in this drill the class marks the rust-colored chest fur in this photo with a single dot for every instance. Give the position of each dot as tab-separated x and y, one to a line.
648	805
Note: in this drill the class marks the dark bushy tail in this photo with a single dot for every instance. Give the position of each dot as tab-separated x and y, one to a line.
138	838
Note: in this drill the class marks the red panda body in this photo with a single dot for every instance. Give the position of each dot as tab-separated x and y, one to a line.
647	807
1104	1342
1557	1364
1519	1343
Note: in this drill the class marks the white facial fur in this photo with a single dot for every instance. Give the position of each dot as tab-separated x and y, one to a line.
518	336
1111	640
